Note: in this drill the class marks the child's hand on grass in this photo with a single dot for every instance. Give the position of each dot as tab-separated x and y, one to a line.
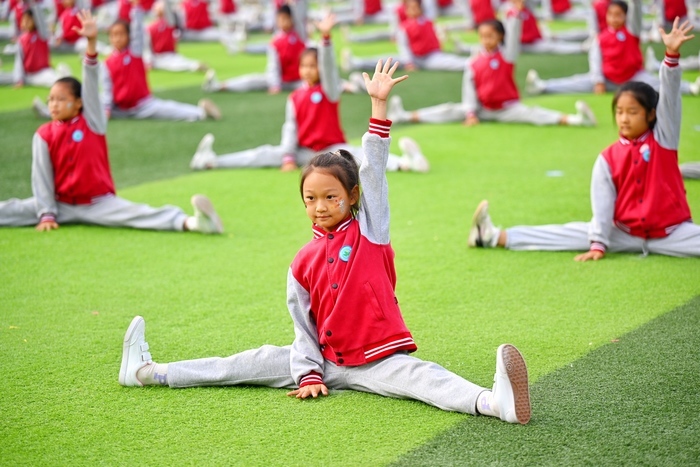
593	255
599	88
45	226
471	120
312	390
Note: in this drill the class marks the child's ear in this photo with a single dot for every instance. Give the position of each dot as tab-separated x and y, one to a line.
651	116
354	195
79	103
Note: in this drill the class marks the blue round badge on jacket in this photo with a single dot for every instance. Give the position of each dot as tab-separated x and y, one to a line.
494	64
316	97
78	136
620	36
646	152
345	253
127	59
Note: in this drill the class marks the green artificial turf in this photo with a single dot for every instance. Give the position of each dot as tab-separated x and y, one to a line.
66	298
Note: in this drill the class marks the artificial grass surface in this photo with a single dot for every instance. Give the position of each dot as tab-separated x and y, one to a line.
68	296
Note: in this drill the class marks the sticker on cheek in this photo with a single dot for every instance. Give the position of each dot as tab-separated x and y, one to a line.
69	105
341	205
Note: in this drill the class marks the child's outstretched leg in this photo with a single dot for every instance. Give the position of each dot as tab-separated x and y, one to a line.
690	170
510	398
266	366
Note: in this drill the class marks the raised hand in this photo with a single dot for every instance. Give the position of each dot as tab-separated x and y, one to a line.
88	25
676	36
379	86
326	24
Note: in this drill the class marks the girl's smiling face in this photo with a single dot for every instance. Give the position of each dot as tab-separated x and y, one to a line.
63	105
326	199
631	118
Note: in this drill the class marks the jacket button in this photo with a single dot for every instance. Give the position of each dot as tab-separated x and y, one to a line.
641	200
339	354
323	347
644	219
330	260
328	333
330	237
335	286
341	361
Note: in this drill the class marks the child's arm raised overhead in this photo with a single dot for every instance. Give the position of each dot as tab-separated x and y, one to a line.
42	28
136	39
634	18
374	201
93	110
668	110
327	68
514	31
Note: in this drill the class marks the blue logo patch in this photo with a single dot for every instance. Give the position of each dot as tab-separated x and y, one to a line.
645	152
621	36
77	136
316	97
292	40
494	64
127	59
345	253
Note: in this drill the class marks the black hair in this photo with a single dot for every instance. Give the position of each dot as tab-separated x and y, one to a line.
419	2
124	23
309	51
284	10
73	84
497	26
622	4
642	93
342	165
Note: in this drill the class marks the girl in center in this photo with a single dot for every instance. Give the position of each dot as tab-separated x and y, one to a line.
312	122
349	332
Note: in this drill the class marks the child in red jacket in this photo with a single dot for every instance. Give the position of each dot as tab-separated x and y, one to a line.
349	331
637	193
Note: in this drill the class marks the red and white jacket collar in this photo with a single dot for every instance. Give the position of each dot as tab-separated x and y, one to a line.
640	139
320	233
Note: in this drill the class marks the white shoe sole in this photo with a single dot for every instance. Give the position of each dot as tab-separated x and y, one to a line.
203	205
131	353
514	366
475	239
409	147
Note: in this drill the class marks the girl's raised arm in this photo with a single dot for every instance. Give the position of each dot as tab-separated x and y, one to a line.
136	40
514	30
93	109
327	67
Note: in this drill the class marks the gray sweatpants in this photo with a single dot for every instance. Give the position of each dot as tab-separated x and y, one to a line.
254	82
399	375
172	61
551	47
108	210
43	78
584	83
515	113
684	241
161	109
210	34
437	61
271	156
690	170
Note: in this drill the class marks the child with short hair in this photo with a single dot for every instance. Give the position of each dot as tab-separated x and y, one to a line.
162	36
312	122
489	91
615	58
637	194
32	56
71	179
125	86
349	332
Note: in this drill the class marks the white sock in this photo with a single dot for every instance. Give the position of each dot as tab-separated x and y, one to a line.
496	234
192	224
574	119
153	374
485	404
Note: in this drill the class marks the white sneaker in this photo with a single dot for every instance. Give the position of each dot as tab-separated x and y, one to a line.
511	393
41	110
695	87
204	157
135	354
588	117
63	70
651	64
533	83
395	110
210	84
210	109
346	60
418	162
482	232
208	221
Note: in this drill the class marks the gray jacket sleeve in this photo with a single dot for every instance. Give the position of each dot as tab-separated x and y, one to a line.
469	99
18	69
667	130
405	55
42	27
514	30
42	178
93	110
106	79
595	62
328	72
305	355
290	138
374	200
603	196
137	32
273	73
634	18
300	10
170	16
